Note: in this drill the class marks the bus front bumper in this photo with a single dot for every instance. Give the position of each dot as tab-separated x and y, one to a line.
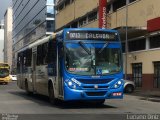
5	80
72	94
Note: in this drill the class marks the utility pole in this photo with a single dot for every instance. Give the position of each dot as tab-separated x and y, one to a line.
126	41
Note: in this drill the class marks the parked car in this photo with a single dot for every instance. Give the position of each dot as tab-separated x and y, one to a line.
13	77
129	86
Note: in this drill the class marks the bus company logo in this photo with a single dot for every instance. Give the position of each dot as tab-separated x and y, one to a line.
96	86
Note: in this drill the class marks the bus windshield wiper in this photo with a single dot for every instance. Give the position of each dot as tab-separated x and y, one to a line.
68	53
84	47
104	46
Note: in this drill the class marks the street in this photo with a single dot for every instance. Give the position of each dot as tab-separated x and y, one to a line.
15	101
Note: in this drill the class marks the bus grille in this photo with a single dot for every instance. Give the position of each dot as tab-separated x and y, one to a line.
95	93
92	87
93	81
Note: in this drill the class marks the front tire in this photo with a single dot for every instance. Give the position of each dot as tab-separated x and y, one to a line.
6	83
129	89
52	98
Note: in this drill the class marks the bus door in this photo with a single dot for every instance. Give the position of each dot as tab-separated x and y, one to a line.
60	74
34	71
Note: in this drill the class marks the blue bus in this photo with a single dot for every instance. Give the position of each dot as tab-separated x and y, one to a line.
73	64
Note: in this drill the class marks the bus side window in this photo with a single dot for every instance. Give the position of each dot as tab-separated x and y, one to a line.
39	55
52	52
45	53
42	54
24	61
60	47
28	57
52	57
18	63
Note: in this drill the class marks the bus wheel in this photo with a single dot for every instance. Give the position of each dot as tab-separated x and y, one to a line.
129	89
52	98
6	83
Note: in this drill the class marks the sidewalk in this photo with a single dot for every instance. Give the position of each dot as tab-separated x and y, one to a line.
147	95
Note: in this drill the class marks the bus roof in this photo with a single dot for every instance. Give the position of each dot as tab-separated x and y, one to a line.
4	65
45	39
90	29
38	42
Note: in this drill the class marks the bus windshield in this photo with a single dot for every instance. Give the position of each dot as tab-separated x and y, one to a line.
4	72
92	58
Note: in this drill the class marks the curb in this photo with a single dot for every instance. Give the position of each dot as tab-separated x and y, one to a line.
154	99
150	99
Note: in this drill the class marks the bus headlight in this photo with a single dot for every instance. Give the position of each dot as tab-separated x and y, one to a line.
118	84
115	86
70	83
73	83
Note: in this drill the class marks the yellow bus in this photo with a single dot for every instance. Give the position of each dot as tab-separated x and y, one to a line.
4	73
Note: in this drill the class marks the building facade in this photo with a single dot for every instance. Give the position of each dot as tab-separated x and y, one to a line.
138	24
8	37
32	19
1	41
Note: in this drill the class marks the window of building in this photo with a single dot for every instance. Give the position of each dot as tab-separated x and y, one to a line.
67	2
108	8
50	1
92	16
72	1
118	4
74	25
60	7
137	74
131	1
82	21
50	26
137	45
67	26
63	5
1	26
157	74
155	42
123	47
50	11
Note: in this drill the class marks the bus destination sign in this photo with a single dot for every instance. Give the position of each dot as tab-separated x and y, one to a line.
91	35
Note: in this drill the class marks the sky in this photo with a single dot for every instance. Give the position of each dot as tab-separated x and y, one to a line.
4	4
